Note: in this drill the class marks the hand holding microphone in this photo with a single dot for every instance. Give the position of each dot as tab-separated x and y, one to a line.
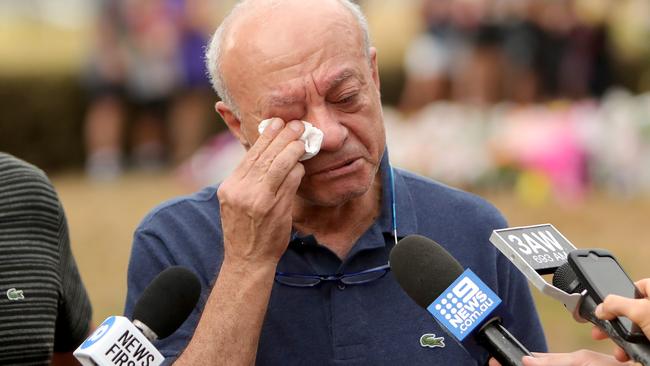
637	310
582	279
597	275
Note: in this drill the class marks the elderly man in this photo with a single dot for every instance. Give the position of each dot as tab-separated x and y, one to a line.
293	254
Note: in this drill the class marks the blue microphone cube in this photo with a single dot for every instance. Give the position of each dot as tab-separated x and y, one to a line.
464	305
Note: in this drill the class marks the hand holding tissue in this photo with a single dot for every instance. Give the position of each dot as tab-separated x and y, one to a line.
312	137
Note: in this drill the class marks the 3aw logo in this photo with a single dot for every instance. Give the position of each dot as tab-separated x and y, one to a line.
464	305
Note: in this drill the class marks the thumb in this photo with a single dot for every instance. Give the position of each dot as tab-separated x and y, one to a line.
637	310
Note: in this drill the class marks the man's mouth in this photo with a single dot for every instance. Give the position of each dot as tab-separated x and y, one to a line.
340	168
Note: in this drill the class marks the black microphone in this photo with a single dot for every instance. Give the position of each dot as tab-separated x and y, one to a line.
166	302
566	280
163	307
436	281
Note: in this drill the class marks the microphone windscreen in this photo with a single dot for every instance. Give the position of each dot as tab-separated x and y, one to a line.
168	300
423	268
566	279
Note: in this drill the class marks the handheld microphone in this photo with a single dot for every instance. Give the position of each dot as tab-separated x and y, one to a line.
541	249
566	279
163	307
459	300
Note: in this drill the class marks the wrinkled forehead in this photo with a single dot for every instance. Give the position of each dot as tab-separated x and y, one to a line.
277	49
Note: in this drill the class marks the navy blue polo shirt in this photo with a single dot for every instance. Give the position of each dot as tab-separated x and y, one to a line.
331	324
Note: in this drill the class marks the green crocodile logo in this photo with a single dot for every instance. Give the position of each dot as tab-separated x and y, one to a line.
13	294
430	340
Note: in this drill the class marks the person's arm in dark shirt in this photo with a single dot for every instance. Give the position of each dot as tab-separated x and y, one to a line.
73	322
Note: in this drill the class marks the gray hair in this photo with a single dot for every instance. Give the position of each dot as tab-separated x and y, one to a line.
213	54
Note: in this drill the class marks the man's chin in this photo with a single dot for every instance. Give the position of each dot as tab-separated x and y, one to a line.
328	198
327	191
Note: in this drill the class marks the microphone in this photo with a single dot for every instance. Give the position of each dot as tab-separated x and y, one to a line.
163	307
566	280
458	299
541	249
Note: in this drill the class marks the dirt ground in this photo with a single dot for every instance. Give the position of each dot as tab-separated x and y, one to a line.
102	218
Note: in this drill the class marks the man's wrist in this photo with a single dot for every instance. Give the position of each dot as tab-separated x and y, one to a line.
247	267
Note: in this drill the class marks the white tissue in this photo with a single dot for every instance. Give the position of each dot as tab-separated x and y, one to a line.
312	137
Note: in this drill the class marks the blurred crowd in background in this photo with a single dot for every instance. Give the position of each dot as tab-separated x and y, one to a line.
546	96
526	51
550	97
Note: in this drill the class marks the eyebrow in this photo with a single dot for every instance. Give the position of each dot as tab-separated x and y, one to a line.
339	78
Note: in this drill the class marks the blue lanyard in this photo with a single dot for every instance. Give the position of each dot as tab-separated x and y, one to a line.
393	202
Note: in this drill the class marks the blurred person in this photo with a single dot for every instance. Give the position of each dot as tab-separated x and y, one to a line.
478	79
191	105
637	310
152	75
429	58
104	78
457	57
275	222
44	309
522	48
585	69
576	61
454	57
145	62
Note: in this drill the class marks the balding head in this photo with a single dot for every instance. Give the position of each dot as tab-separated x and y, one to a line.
253	25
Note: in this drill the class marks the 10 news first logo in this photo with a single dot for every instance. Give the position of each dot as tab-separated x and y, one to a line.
464	305
117	342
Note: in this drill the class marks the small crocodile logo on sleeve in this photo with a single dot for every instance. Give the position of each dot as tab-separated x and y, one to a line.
13	294
430	340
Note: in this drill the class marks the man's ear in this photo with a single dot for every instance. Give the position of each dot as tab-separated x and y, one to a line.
373	67
233	123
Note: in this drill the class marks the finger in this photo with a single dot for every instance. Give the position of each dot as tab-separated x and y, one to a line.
541	354
493	362
290	133
637	310
643	286
598	334
282	165
548	359
620	354
259	146
289	187
578	358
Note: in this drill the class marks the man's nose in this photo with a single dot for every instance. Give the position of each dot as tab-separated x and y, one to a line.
334	132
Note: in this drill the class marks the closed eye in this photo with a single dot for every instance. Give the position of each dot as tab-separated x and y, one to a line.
347	100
